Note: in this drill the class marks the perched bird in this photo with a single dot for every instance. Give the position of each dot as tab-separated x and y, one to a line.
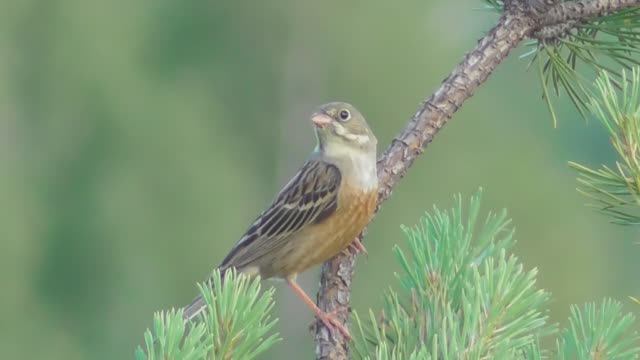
318	213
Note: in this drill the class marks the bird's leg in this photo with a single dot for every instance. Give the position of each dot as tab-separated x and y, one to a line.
328	319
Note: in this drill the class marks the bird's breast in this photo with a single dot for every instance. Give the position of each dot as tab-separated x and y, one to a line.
321	241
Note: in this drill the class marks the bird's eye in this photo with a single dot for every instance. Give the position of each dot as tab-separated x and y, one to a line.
344	115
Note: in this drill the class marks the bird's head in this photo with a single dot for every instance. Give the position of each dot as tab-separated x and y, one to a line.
341	127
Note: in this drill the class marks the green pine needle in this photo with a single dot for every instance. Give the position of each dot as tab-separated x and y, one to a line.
461	295
568	60
615	190
168	339
236	324
497	5
599	332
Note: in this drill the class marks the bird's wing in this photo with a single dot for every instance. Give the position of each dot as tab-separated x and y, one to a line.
310	196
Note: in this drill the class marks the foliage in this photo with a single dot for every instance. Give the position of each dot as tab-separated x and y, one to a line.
558	50
616	190
462	297
236	324
599	332
170	340
597	44
496	5
461	294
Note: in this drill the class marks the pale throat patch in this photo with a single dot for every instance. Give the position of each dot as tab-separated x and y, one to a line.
367	177
361	163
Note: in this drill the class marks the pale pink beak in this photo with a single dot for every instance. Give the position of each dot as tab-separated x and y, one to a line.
320	119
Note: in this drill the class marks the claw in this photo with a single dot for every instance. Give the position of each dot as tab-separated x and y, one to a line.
357	247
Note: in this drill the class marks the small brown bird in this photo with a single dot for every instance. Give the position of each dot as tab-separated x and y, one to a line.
318	213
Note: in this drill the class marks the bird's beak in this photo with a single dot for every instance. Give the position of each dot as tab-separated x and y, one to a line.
320	119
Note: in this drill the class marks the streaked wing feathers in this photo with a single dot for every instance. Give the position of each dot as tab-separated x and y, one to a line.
309	197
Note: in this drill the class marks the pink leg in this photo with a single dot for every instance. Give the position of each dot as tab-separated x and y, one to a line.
328	320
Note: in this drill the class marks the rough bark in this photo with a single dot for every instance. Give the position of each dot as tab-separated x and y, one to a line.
520	20
581	10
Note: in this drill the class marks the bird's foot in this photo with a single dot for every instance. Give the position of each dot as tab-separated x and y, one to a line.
333	324
356	247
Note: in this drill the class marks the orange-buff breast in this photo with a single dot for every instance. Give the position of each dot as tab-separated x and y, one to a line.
321	241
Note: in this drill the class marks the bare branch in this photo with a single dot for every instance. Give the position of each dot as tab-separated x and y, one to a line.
520	20
582	10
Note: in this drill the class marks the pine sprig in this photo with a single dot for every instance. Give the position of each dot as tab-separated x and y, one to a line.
461	295
568	55
238	318
236	324
616	190
597	45
599	332
170	340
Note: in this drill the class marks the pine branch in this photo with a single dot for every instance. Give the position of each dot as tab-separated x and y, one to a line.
599	332
335	284
171	340
519	20
461	296
564	51
236	324
565	11
616	190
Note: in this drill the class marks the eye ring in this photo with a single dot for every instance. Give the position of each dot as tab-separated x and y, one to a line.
344	115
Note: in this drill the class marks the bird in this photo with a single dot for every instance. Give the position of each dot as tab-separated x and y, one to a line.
318	213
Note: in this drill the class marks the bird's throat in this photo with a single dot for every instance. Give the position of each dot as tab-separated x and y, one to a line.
357	166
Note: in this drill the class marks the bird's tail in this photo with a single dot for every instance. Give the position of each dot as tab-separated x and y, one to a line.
194	309
198	304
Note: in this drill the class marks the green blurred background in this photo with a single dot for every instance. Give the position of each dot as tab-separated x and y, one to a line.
138	139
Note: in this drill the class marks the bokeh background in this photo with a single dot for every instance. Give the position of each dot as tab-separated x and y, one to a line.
139	138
